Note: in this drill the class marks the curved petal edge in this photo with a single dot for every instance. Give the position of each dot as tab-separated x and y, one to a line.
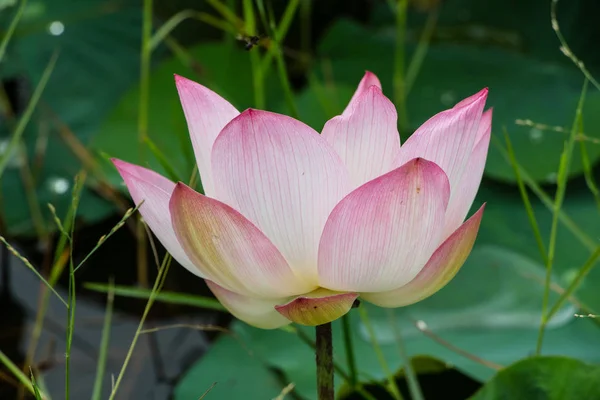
382	234
318	307
463	196
155	190
284	177
443	265
366	137
447	138
369	79
231	250
206	114
257	312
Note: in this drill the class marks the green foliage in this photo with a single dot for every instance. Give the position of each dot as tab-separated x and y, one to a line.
506	224
97	45
246	378
478	46
490	310
485	319
221	67
548	378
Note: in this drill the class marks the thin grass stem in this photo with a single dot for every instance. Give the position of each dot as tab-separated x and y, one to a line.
561	183
399	60
24	120
11	28
102	356
391	386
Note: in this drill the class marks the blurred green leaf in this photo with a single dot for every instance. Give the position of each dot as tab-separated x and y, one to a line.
98	42
490	310
505	224
523	84
163	296
221	67
7	3
246	378
318	103
548	378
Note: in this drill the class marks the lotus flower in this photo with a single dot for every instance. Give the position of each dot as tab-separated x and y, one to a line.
295	225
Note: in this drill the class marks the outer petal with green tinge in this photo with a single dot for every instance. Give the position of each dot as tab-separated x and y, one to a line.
439	270
318	307
232	250
255	311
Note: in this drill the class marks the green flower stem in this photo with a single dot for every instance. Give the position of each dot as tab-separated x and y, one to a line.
324	353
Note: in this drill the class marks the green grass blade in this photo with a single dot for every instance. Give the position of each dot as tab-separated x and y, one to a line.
57	221
226	13
11	28
276	50
145	59
17	373
31	195
158	283
564	46
349	349
36	389
525	197
104	238
101	365
587	170
76	197
422	47
33	269
286	19
567	221
414	387
280	32
163	297
163	160
399	73
58	266
561	187
173	22
581	274
255	63
24	120
263	15
305	27
70	329
392	387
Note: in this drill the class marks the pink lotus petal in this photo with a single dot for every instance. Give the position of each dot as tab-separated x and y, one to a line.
485	127
317	308
284	177
468	100
206	113
380	236
258	312
155	190
368	80
232	251
462	198
366	137
440	269
447	138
